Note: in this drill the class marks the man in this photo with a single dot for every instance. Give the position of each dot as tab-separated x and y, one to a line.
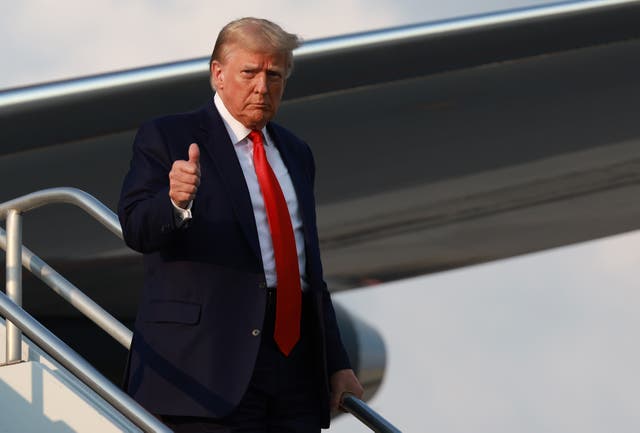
235	330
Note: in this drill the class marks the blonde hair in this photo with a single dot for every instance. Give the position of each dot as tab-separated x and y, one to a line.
255	34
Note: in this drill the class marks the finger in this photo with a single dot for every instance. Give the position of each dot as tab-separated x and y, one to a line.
182	193
179	187
182	177
185	167
335	400
334	405
194	154
341	400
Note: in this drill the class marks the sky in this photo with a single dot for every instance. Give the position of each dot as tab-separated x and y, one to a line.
540	343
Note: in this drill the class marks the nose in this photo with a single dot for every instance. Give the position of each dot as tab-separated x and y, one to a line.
261	84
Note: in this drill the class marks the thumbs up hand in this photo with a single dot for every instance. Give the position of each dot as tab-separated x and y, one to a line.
184	178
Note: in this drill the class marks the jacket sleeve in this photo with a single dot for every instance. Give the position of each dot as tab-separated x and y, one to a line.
145	209
337	357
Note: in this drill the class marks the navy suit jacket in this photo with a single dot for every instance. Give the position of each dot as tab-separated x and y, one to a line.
194	348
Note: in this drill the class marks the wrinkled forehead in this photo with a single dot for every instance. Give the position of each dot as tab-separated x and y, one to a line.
251	46
255	54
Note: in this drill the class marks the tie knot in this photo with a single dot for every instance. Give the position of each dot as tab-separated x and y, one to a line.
256	137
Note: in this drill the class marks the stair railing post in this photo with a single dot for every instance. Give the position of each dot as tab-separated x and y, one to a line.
14	282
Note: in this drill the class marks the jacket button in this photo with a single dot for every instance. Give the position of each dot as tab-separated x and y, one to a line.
255	332
262	285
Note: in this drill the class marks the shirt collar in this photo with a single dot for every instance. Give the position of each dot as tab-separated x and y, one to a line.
236	130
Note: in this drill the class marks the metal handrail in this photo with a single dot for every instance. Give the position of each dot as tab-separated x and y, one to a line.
366	415
19	321
75	196
11	241
77	365
14	283
72	294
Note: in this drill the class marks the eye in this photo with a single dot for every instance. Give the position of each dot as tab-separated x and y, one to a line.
274	75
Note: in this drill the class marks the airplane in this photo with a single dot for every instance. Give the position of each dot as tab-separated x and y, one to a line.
451	143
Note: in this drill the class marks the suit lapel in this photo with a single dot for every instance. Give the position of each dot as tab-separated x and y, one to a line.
224	158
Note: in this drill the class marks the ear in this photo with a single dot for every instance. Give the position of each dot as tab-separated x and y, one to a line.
217	74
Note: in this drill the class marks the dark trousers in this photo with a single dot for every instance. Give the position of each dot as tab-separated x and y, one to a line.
282	395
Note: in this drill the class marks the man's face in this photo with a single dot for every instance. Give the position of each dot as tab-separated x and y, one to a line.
250	83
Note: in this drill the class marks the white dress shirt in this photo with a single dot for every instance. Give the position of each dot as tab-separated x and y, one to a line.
238	134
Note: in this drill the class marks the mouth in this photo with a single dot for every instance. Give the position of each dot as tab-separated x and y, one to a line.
260	106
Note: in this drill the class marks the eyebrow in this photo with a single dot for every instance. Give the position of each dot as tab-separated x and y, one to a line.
255	67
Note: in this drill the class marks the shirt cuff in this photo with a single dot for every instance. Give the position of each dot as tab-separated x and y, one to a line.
181	216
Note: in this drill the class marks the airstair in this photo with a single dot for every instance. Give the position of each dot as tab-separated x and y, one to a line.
45	386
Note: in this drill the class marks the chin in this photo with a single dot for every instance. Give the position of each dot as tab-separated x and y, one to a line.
260	121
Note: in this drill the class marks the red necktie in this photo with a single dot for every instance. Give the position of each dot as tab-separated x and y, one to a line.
288	294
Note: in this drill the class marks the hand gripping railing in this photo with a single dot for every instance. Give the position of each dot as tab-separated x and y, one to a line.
19	320
366	415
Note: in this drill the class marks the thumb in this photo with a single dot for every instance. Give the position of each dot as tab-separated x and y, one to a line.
194	153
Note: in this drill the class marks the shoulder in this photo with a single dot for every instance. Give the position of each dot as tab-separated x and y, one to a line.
171	131
287	138
295	146
176	121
